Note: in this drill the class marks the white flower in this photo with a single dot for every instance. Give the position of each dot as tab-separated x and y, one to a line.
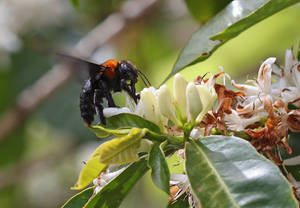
104	178
207	95
148	107
181	185
262	86
237	123
264	76
255	94
166	105
194	104
179	88
289	83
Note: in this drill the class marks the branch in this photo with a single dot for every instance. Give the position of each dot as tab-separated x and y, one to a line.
60	74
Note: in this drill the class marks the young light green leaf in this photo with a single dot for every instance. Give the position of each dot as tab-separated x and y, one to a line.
122	150
126	120
238	16
90	171
113	193
103	132
159	168
80	199
228	172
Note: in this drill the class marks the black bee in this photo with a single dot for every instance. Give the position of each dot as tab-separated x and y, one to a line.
111	76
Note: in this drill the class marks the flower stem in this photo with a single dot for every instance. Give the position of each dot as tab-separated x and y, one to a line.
176	140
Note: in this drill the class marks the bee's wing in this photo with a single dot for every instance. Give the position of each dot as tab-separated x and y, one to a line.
81	65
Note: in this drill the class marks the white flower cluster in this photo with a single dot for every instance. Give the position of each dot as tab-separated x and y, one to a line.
272	84
190	103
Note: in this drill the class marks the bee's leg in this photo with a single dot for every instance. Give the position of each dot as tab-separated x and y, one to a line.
98	105
136	95
108	95
130	90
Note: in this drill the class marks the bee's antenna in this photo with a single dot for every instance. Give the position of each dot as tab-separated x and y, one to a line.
143	76
143	80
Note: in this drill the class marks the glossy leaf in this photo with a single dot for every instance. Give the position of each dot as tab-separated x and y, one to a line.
80	199
238	16
228	172
126	120
103	132
92	168
181	202
202	10
113	193
122	150
159	168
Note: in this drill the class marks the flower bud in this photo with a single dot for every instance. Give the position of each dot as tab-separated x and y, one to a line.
147	106
194	104
166	104
180	85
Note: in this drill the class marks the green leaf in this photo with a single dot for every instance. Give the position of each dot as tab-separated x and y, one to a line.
228	172
113	193
159	168
122	150
175	163
292	161
127	120
80	199
90	171
238	16
181	202
103	132
203	10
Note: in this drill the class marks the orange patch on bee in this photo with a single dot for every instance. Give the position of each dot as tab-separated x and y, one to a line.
110	65
298	67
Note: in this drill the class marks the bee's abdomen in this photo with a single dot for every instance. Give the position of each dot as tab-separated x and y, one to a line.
87	107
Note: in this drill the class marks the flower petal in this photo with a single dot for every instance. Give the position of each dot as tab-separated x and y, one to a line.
166	104
112	111
194	104
180	85
264	75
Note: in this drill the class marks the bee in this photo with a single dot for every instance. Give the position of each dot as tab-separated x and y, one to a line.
104	79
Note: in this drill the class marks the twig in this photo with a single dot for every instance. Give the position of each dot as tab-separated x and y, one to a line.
60	74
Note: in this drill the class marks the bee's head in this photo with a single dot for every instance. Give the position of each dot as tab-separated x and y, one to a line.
128	71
